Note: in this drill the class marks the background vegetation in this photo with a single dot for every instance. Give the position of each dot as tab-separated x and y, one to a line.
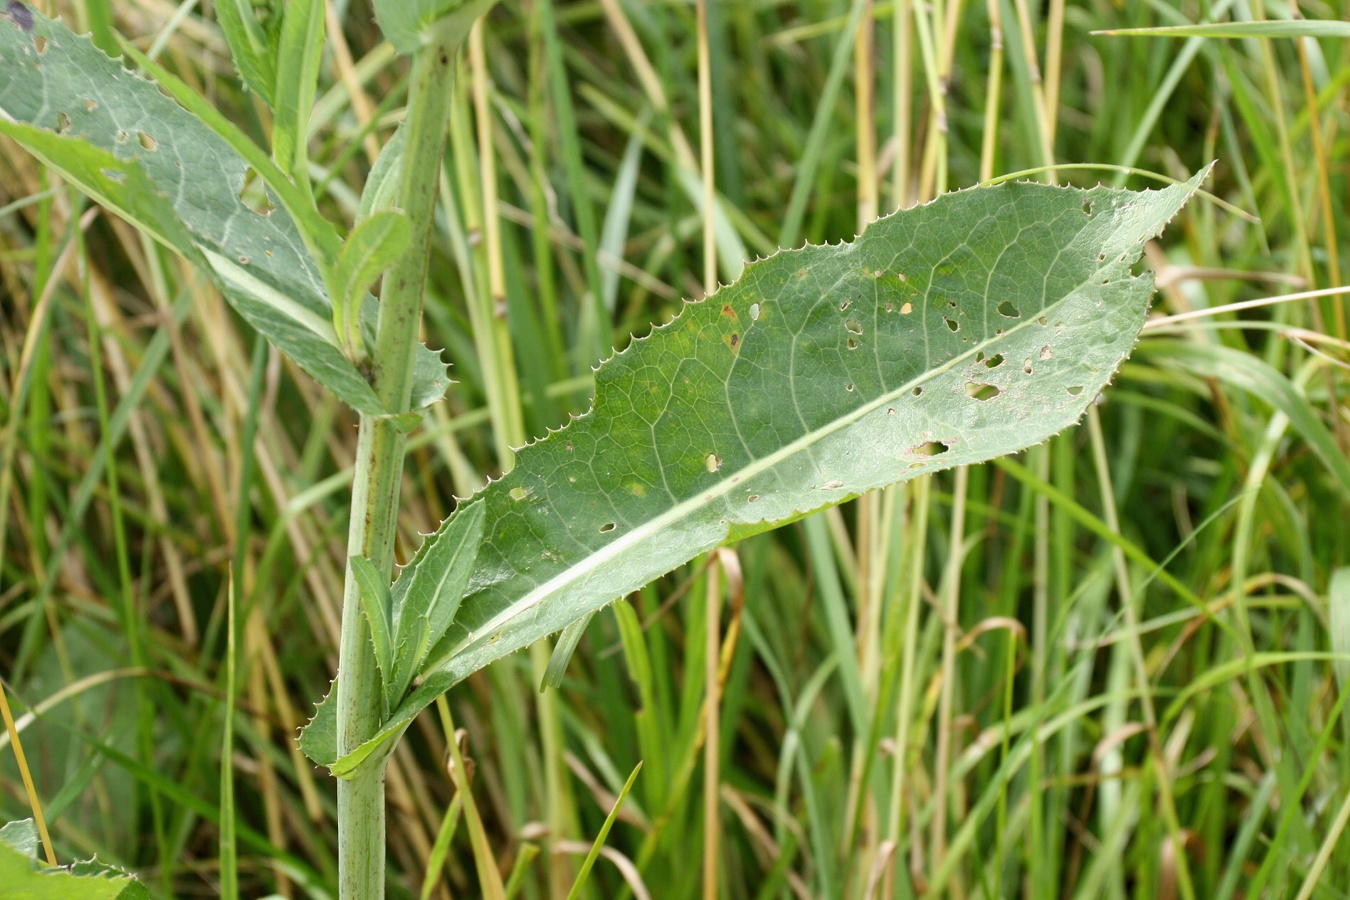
1104	668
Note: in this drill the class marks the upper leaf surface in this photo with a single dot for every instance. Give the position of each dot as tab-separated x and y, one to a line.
24	877
57	81
949	334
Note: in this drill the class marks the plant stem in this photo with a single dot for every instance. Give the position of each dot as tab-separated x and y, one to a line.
379	471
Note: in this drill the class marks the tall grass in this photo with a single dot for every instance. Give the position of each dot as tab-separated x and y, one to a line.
1105	668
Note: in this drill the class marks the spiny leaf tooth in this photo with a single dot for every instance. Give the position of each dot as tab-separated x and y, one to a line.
332	686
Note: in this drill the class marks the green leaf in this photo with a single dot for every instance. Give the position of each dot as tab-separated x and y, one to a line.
1285	28
299	53
599	843
120	139
381	187
413	643
1338	622
248	45
120	184
563	651
427	595
318	235
405	23
375	606
1265	382
25	879
424	601
372	247
949	334
21	835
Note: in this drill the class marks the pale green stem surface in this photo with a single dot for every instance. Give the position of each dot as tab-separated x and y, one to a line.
379	469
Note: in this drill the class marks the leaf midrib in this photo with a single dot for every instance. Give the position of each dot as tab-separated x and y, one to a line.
617	548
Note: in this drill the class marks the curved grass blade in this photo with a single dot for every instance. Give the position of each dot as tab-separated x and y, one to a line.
1261	380
949	334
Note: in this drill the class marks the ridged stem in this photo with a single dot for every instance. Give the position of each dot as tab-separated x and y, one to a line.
379	470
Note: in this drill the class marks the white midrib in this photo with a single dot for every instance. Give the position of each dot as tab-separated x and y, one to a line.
617	549
244	280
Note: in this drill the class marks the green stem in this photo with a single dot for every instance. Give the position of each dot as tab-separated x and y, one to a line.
379	470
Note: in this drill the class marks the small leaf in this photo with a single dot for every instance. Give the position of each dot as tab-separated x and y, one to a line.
381	188
432	585
424	601
248	46
374	590
563	651
372	753
22	835
318	740
405	23
369	250
299	53
413	643
431	377
428	592
318	737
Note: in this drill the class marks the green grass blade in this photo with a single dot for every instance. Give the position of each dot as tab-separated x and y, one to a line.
1289	28
599	842
563	650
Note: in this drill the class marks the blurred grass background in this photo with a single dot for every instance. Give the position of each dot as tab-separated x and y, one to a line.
1110	667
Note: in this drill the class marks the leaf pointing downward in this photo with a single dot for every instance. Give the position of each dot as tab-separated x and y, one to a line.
949	334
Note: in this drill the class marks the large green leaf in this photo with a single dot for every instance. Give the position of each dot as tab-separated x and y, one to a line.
949	334
116	136
24	878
